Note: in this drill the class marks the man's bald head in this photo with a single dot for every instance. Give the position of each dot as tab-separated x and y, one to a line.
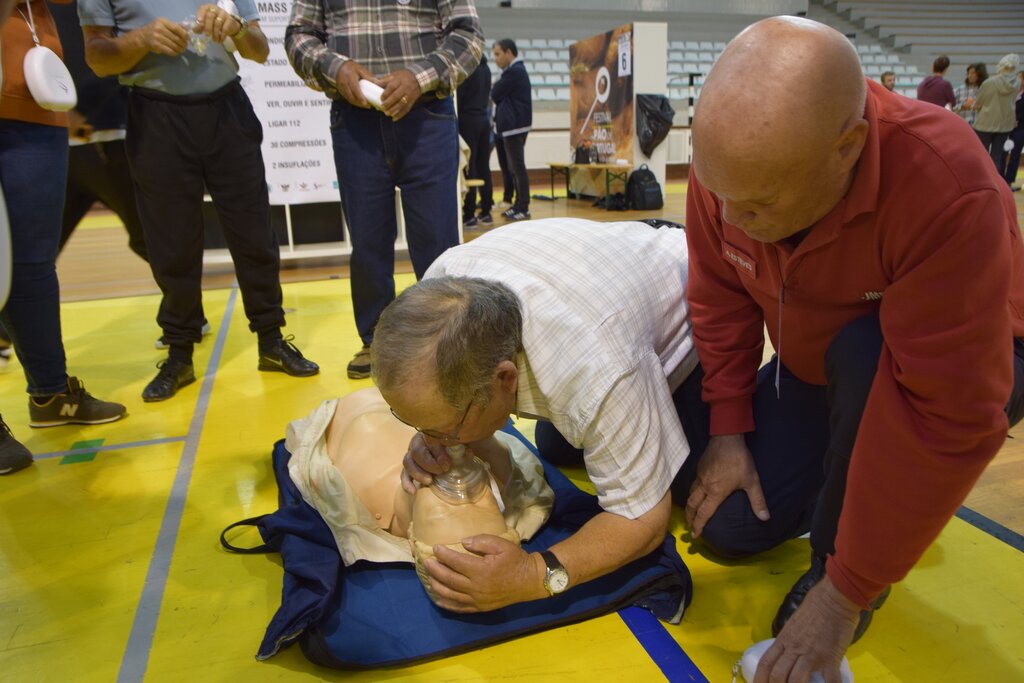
778	106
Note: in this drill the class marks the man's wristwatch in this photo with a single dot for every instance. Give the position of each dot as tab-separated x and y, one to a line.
244	27
556	579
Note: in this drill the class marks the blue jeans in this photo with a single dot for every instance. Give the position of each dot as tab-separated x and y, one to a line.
373	155
1013	164
33	172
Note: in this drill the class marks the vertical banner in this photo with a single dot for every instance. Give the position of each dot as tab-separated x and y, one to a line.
601	95
297	147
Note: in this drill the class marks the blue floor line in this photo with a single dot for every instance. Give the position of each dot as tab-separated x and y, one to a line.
660	646
110	447
992	528
140	640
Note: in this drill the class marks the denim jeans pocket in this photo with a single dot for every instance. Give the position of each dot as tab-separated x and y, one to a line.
337	116
442	110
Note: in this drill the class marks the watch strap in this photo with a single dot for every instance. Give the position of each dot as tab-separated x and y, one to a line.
243	24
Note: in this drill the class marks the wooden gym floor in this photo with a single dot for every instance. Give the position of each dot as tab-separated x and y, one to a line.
110	568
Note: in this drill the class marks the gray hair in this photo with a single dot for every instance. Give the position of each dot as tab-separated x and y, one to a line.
465	326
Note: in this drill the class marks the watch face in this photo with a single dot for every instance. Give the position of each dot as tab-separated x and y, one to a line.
558	581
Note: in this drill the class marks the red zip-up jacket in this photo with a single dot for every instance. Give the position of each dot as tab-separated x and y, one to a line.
927	235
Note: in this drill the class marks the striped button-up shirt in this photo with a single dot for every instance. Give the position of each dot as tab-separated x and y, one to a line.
606	339
439	41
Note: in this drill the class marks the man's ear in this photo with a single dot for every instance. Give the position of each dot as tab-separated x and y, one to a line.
851	143
506	377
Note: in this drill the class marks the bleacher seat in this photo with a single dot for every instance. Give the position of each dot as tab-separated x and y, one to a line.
719	46
705	45
532	55
540	67
560	67
539	43
706	57
562	94
677	45
554	79
675	56
675	68
523	44
691	68
692	45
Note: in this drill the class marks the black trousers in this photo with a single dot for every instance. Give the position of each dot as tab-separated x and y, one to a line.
476	131
99	172
176	147
993	143
515	155
508	181
801	448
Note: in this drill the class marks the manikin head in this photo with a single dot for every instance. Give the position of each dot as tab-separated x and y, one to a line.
505	51
444	357
779	151
888	79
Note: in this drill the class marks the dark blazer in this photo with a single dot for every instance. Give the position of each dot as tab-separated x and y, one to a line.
474	95
513	101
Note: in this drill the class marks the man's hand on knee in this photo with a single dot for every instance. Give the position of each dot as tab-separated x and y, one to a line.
726	466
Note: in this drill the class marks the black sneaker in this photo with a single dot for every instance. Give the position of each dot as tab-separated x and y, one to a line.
13	455
520	216
359	366
485	219
508	213
204	331
75	406
804	584
174	374
469	223
283	356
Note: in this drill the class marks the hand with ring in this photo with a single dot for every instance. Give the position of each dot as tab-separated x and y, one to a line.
216	23
401	90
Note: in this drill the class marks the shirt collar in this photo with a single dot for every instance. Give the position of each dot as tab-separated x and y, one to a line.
513	62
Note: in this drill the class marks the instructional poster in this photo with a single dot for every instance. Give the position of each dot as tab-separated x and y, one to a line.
297	147
601	95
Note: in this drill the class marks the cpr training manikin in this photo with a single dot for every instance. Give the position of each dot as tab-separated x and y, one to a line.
347	462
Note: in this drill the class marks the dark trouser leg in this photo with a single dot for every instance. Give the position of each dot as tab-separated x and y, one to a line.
507	179
235	176
851	362
368	200
993	143
787	448
484	169
474	131
425	146
100	172
515	151
1013	163
33	172
164	149
78	196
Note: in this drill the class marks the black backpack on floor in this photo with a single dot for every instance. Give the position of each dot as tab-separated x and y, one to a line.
643	191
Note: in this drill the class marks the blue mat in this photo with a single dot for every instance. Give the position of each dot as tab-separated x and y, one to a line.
377	615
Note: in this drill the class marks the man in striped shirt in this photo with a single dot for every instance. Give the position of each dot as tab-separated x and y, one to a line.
418	53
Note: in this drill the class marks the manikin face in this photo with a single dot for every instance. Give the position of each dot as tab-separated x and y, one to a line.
502	57
889	81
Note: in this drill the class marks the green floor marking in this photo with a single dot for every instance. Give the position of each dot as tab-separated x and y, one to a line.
86	456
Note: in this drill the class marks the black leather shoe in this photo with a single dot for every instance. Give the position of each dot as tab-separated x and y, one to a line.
283	356
174	374
804	584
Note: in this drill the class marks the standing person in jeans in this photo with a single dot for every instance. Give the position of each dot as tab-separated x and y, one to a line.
33	169
191	125
474	99
419	55
1017	135
513	117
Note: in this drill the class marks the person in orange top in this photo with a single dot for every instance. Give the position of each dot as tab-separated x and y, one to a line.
873	237
33	170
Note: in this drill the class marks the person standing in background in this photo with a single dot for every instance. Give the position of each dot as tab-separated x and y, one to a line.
419	56
97	161
190	126
967	94
33	170
513	118
888	79
995	118
935	88
474	100
1017	135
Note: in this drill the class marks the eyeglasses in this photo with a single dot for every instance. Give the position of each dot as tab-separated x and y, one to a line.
440	436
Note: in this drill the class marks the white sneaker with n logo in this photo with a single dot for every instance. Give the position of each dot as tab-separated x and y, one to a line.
75	406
